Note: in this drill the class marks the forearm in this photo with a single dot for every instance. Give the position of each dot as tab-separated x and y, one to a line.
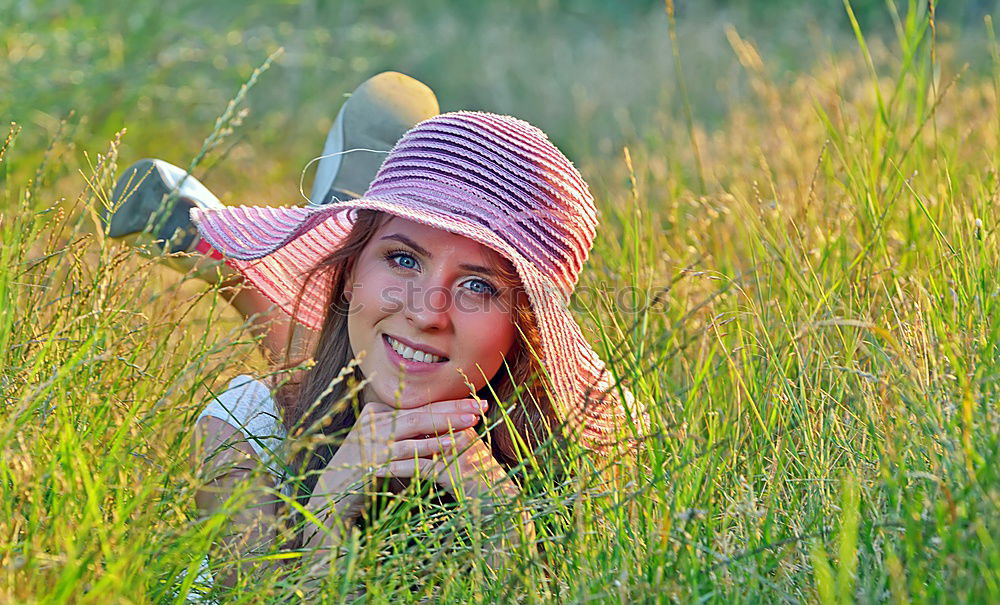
226	462
513	526
335	504
249	530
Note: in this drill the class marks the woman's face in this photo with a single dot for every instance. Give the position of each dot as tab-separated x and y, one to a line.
425	307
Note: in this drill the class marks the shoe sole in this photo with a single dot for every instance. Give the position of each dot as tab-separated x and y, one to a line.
375	116
139	197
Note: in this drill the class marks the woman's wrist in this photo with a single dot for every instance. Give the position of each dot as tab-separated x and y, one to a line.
513	522
335	502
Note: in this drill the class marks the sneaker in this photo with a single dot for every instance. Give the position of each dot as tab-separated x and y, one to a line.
152	204
375	116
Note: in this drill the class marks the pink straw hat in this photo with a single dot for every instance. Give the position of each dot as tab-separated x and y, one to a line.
494	179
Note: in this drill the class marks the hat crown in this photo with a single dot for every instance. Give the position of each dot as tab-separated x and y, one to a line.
502	173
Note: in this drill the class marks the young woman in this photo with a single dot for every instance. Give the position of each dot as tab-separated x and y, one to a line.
440	301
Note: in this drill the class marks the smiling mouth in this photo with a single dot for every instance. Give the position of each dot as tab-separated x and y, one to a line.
411	354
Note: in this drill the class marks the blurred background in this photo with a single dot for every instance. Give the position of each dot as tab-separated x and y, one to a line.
166	71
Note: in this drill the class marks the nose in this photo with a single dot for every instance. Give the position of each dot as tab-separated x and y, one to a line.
430	308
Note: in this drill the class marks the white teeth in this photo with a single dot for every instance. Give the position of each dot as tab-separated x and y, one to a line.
407	353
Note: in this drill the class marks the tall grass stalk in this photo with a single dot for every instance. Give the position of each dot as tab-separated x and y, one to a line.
813	329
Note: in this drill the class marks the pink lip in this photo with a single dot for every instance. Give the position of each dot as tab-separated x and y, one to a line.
410	366
418	347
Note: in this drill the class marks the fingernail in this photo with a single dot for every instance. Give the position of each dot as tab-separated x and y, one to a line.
446	441
477	405
469	418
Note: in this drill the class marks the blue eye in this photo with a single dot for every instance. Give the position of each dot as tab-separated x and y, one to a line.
480	286
403	260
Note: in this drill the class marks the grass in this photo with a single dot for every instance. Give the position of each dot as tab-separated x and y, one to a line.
814	327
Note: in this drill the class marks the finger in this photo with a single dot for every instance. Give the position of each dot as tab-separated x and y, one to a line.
445	406
407	469
460	443
476	406
418	422
470	456
425	448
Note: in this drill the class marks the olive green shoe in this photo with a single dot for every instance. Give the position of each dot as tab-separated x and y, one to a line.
151	209
374	117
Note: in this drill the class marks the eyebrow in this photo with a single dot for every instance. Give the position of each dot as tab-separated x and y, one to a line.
399	237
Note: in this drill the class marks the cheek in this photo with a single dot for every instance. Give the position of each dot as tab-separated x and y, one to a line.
375	295
487	340
367	306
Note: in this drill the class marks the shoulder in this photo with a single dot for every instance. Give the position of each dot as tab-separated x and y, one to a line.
246	387
245	401
247	405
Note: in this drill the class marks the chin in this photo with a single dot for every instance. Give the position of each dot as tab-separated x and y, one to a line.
410	398
415	396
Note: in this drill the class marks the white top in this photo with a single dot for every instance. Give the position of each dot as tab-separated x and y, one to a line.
248	406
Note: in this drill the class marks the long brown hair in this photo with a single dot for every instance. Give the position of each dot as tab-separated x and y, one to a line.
321	400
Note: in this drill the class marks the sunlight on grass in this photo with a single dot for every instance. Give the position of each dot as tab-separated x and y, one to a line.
809	308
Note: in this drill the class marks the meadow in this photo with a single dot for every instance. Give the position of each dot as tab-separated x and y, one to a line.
797	271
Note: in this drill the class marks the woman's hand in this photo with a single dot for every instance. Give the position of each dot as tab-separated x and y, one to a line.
383	436
464	468
467	469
